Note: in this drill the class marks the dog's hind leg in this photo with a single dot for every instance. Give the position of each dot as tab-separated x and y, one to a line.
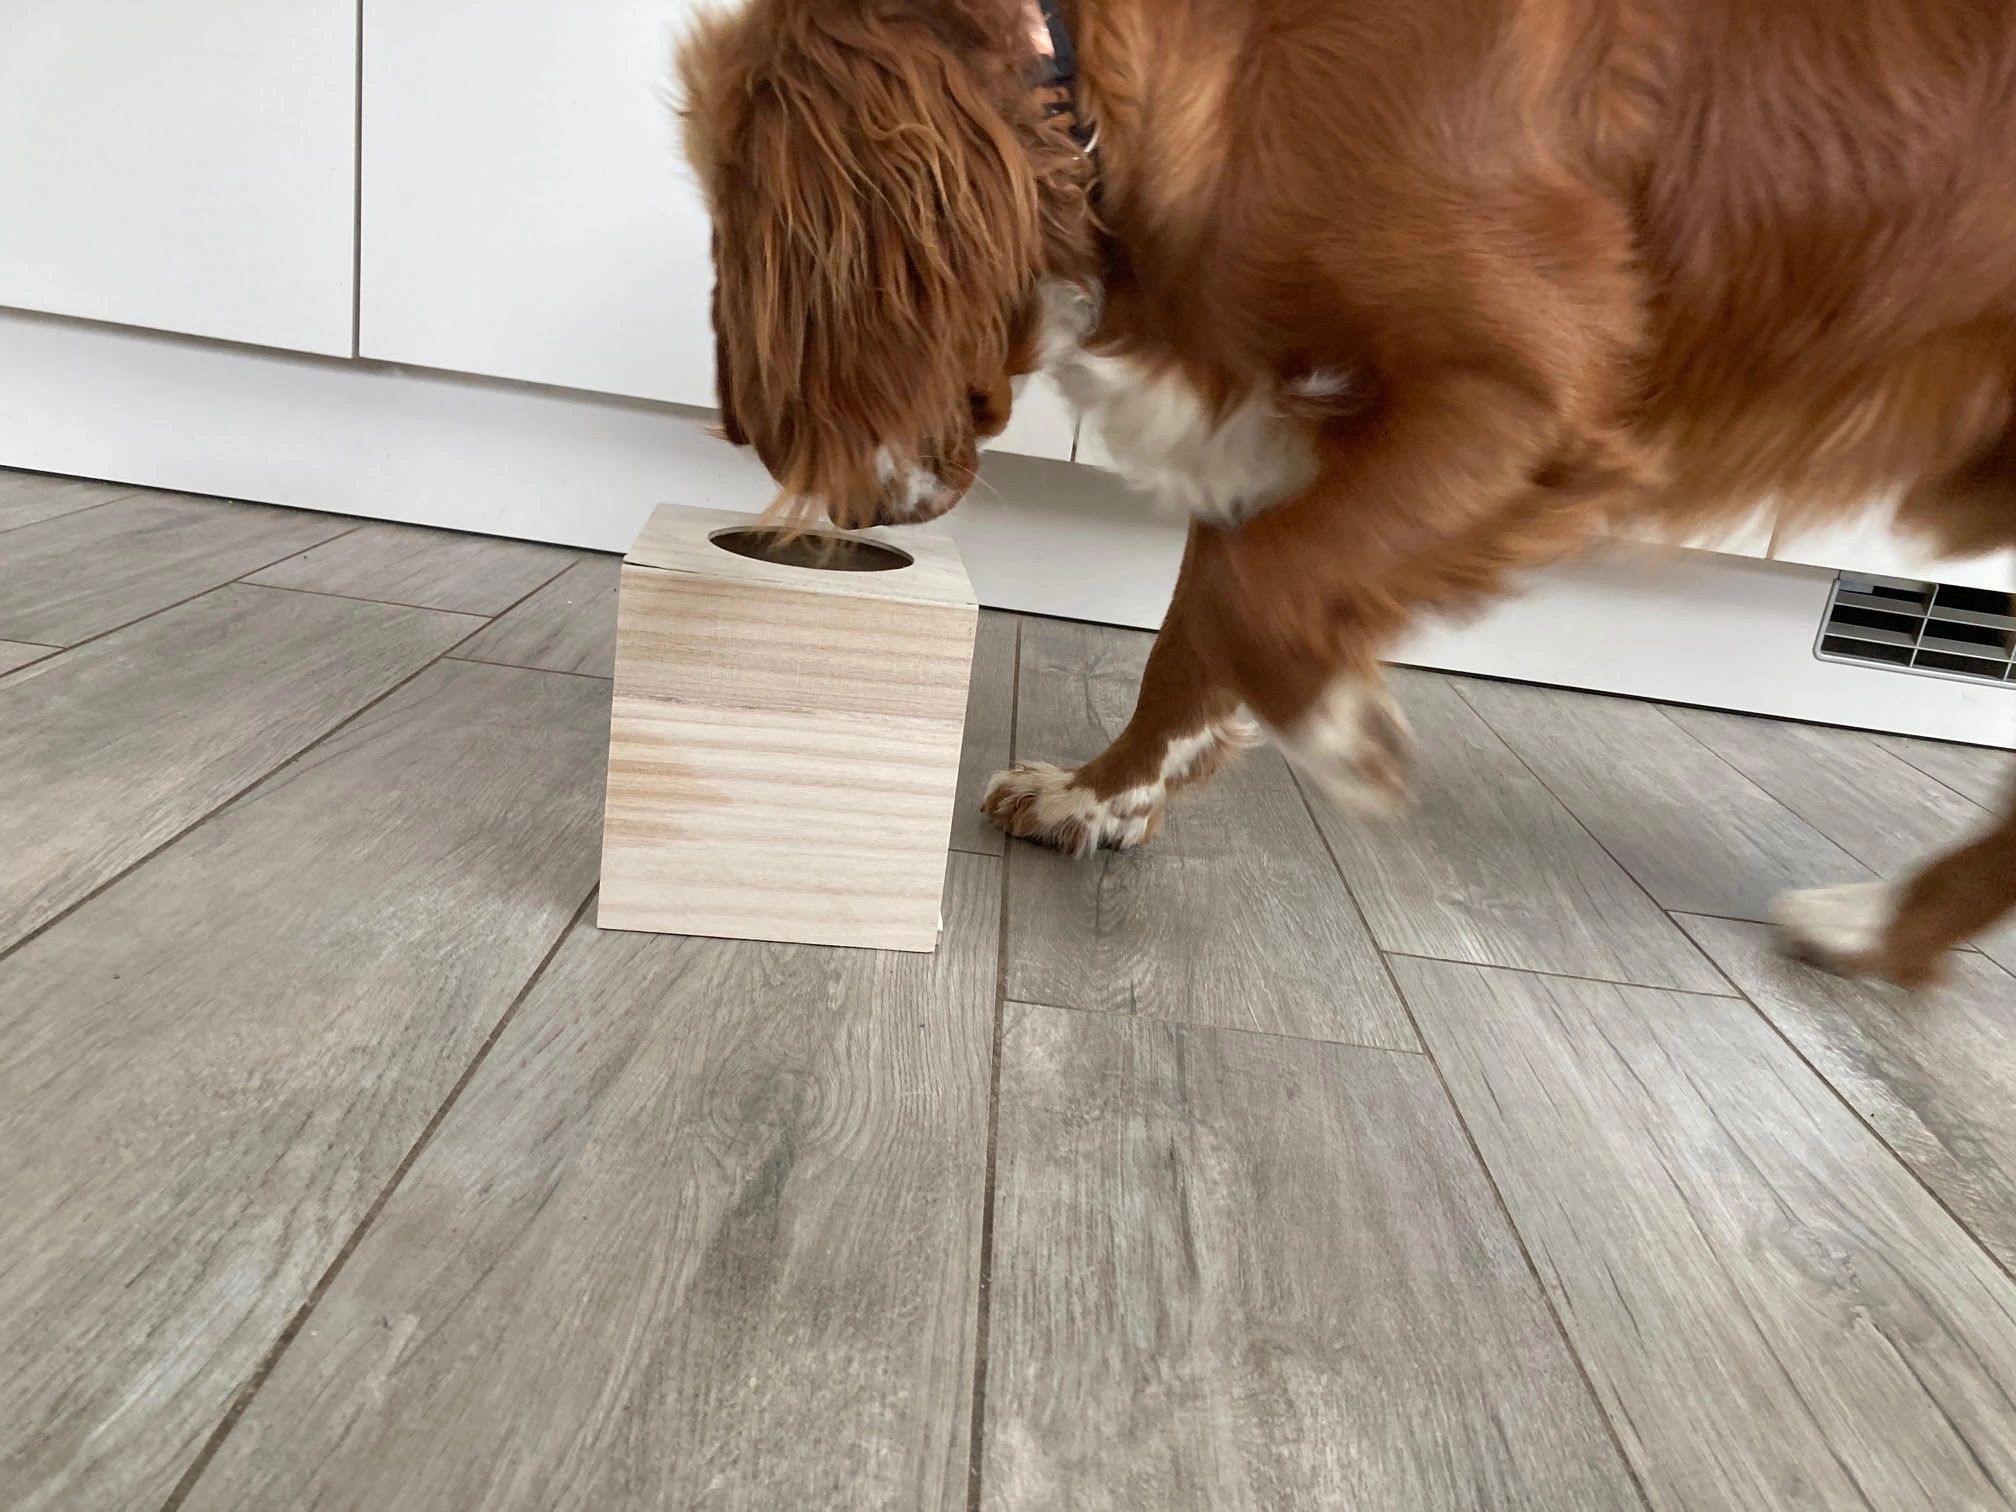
1187	723
1900	932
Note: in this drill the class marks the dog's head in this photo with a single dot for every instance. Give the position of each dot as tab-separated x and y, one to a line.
877	241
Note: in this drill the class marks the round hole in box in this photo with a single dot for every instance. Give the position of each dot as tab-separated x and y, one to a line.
821	551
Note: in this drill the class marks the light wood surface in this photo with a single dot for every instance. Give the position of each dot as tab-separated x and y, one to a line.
1935	1076
1972	771
1237	1271
1492	869
784	752
26	497
67	579
1232	916
567	626
17	654
1695	832
990	730
677	539
209	1074
430	569
1775	1314
114	748
704	1231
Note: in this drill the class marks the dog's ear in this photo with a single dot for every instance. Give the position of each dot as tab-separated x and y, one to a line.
878	219
724	379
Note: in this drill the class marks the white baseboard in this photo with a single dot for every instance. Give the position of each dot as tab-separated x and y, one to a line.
1042	537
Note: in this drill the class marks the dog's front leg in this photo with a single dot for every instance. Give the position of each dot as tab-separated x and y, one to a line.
1186	724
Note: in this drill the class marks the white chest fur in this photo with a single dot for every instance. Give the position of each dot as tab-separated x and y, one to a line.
1162	438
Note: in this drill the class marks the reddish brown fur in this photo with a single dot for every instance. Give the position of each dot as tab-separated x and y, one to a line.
1587	260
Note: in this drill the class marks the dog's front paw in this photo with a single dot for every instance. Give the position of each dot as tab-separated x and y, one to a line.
1357	747
1850	932
1038	802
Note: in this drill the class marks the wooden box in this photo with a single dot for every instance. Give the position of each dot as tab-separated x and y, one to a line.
785	739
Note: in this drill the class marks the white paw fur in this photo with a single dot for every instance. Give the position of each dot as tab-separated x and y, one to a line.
1355	745
1038	801
1837	925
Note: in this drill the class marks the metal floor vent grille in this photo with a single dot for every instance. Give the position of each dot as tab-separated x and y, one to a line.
1932	628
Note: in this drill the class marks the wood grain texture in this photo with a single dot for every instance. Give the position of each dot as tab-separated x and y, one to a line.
26	497
1934	1075
15	654
1492	869
990	731
1696	833
429	569
1233	916
1972	771
782	761
704	1231
1876	806
1235	1271
114	748
65	580
1775	1314
208	1074
567	626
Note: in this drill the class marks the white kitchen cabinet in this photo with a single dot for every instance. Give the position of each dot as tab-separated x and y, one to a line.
527	212
188	167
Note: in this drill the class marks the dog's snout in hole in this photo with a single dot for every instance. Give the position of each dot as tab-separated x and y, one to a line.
820	551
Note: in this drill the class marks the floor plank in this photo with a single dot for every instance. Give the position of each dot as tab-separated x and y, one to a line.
1974	772
703	1232
1233	916
209	1073
1775	1313
1492	869
567	626
1234	1271
114	748
1872	803
431	569
990	730
26	497
1935	1075
1869	801
15	654
65	580
1697	834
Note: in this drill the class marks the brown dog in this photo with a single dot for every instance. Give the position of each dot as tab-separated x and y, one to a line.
1391	297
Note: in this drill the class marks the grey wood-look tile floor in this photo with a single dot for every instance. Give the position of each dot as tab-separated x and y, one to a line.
1491	1160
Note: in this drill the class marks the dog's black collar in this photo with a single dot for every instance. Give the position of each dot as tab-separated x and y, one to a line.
1056	77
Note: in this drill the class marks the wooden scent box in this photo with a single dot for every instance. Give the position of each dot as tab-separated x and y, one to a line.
785	738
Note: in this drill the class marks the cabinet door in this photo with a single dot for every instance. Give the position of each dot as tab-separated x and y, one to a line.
189	167
527	212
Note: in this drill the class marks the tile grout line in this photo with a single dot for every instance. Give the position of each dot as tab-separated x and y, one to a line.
1733	995
242	1399
1863	1119
1477	1153
225	804
484	661
1596	840
982	1329
141	619
358	598
1866	865
1933	777
1874	1133
81	509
